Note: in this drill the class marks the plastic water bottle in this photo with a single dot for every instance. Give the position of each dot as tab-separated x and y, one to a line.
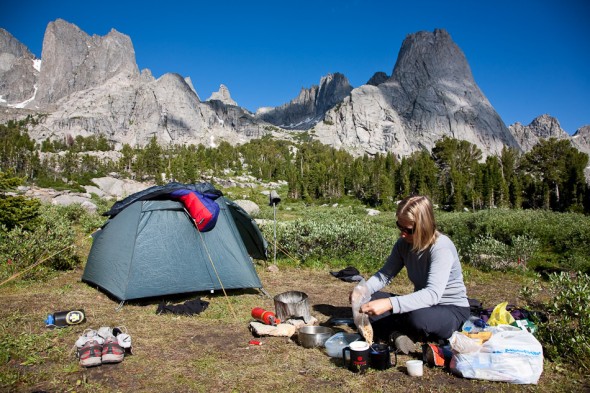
65	318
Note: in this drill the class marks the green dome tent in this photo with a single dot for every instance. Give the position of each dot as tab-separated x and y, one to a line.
152	248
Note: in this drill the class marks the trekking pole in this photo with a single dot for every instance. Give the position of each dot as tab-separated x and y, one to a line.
274	201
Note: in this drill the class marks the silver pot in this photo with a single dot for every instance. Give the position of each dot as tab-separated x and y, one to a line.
314	336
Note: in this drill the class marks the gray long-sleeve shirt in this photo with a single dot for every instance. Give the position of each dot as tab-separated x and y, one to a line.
436	274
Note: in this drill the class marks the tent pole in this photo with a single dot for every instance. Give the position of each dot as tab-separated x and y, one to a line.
274	208
274	201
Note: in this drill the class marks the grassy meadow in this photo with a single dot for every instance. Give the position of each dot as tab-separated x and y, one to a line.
533	258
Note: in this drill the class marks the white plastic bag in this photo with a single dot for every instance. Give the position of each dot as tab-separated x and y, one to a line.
360	296
514	356
460	343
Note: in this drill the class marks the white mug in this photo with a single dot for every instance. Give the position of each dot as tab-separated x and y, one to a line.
415	368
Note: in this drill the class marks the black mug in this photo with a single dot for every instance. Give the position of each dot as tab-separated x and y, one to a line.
380	357
358	356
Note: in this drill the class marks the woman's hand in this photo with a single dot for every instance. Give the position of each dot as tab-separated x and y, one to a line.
376	307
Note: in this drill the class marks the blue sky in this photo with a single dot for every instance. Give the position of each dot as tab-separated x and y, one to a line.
528	57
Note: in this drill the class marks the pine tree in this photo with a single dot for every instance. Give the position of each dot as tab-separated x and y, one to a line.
556	168
458	165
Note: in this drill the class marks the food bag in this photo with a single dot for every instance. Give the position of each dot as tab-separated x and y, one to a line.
360	296
510	355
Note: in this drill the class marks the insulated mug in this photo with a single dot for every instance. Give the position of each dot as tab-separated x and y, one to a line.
358	356
380	357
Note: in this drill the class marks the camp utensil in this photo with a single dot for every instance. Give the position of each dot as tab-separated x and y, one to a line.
292	304
356	356
342	321
314	336
380	357
415	368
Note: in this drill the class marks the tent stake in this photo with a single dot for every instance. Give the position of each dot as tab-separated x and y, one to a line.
264	292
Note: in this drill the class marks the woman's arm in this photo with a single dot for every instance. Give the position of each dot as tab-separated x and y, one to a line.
393	265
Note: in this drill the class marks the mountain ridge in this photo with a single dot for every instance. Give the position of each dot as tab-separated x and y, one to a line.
91	84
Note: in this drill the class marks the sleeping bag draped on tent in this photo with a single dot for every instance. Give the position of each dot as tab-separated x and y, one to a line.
151	247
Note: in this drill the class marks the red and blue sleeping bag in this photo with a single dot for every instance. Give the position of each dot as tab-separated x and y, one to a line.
201	207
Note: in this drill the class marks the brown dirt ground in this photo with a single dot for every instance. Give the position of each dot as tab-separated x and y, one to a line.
211	352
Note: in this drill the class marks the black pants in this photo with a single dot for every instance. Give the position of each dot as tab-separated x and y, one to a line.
426	324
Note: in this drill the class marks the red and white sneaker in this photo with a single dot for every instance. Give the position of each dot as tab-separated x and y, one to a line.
112	351
89	346
90	354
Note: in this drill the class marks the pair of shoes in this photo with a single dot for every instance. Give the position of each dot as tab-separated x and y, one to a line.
402	343
103	346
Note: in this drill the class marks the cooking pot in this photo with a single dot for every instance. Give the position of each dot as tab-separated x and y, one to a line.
314	336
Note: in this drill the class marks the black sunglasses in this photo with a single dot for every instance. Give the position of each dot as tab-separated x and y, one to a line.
408	231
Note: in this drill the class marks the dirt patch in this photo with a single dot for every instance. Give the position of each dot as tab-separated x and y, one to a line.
211	352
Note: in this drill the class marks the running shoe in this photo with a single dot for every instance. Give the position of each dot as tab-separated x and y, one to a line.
89	348
112	352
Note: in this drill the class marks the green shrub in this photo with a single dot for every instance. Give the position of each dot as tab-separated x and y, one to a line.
491	239
53	236
543	238
89	222
15	210
488	253
566	334
333	237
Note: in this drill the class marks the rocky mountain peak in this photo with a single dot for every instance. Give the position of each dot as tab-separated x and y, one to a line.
546	126
583	132
581	139
74	61
434	55
430	94
332	89
377	78
542	127
309	107
222	95
18	74
189	82
10	45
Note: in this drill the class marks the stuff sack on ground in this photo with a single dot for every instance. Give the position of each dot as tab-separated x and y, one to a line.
190	307
510	355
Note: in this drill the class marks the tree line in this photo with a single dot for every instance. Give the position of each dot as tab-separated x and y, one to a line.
453	174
